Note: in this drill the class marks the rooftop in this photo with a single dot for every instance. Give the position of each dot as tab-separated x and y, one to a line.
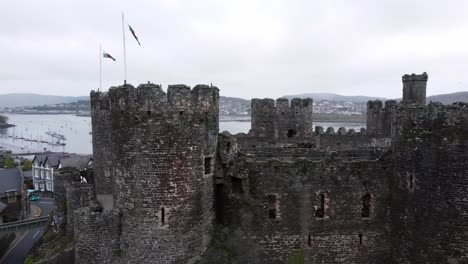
10	180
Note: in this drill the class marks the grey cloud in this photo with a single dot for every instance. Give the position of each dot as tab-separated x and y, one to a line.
247	48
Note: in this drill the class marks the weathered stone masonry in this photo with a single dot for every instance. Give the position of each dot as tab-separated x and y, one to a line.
394	193
160	152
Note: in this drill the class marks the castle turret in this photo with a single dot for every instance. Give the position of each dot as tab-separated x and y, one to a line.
283	120
414	88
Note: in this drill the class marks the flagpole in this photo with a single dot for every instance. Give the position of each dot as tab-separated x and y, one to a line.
124	52
100	67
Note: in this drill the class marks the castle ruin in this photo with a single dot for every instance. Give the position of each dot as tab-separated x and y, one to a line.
169	188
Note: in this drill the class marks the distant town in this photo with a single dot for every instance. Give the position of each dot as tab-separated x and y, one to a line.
230	107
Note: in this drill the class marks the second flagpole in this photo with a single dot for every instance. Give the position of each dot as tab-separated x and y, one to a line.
124	52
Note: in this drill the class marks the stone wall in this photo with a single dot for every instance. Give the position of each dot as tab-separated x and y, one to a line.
63	179
102	152
78	195
429	207
97	236
274	203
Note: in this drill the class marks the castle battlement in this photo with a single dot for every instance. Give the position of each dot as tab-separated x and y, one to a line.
415	77
319	130
281	105
150	99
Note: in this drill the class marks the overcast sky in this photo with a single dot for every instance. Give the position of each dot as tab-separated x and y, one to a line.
247	48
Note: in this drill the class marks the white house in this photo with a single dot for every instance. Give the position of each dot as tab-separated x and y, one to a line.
44	166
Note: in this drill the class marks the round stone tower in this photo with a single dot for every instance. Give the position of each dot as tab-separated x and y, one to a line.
162	151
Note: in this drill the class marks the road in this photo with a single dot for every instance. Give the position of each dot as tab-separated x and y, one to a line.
27	240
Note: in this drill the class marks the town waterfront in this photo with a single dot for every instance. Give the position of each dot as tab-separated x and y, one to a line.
77	132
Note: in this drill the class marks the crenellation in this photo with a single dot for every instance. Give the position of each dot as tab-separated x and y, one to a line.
341	131
318	130
330	131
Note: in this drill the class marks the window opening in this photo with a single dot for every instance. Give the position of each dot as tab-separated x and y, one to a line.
291	133
366	204
236	185
320	212
207	165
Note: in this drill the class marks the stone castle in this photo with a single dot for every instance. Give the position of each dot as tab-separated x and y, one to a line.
169	188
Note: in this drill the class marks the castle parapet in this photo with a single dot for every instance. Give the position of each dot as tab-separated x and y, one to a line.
126	100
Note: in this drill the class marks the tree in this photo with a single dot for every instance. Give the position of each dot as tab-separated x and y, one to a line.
8	163
27	165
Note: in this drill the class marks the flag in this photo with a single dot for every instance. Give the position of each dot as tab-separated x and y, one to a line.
107	55
134	35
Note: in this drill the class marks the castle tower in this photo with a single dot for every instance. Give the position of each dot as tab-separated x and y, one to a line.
282	121
379	120
374	113
160	155
414	88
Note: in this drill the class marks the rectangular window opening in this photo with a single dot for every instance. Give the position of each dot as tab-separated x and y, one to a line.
310	240
272	213
320	212
208	165
163	220
366	205
236	185
411	181
360	239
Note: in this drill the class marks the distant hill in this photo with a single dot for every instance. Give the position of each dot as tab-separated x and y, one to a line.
442	98
335	97
27	99
449	98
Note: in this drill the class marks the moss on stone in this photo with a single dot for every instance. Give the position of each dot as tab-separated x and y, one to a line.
297	257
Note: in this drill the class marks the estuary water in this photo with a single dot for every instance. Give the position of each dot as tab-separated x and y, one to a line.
36	133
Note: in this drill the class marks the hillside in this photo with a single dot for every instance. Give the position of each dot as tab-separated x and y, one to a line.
228	105
335	97
449	98
27	99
